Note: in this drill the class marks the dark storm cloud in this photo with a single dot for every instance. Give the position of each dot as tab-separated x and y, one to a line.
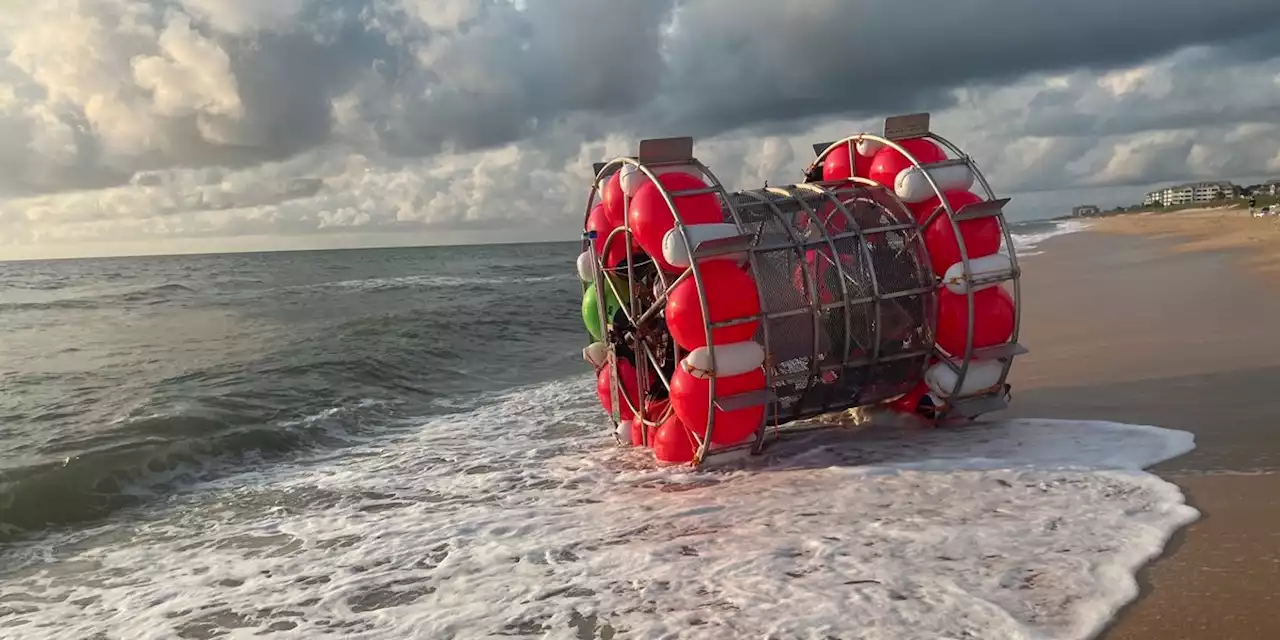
512	74
245	83
741	62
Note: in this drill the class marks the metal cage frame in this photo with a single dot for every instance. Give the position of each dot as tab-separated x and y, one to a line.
657	153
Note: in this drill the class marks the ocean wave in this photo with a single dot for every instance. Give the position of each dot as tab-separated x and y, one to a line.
158	455
149	295
141	295
166	415
426	281
1026	241
518	518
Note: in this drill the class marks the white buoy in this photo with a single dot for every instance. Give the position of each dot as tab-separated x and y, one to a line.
991	267
676	253
912	186
731	360
596	354
623	432
586	267
631	178
981	375
868	148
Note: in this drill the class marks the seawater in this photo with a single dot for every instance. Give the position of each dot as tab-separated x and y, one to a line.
404	444
127	377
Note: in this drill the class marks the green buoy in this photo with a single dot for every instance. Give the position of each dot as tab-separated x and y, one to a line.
590	312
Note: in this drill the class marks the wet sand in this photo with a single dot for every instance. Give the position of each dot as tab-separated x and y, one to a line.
1130	324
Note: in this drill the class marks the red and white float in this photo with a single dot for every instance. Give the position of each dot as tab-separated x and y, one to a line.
878	282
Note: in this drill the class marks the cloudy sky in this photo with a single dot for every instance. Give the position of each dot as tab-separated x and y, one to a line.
130	126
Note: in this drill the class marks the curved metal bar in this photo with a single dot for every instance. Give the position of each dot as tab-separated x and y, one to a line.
615	414
602	275
810	282
967	357
972	166
727	203
964	254
916	238
589	246
1013	259
913	240
830	197
752	261
705	441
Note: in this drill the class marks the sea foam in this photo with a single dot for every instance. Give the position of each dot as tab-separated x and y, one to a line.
521	519
1025	242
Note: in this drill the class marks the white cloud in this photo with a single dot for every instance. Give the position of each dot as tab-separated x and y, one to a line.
191	77
225	123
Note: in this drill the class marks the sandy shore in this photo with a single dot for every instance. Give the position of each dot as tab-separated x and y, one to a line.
1206	230
1146	320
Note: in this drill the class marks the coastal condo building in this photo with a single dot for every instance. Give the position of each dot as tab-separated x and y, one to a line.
1191	193
1268	188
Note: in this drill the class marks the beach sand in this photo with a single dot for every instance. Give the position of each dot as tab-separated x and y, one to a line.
1153	320
1207	230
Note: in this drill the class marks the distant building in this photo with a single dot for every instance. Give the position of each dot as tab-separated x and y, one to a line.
1085	210
1191	193
1268	188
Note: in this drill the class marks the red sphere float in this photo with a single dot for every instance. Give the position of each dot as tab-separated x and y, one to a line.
691	398
993	315
613	200
981	236
889	162
836	167
598	222
730	293
630	386
650	218
673	444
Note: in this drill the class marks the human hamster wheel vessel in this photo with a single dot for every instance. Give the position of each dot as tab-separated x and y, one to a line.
722	321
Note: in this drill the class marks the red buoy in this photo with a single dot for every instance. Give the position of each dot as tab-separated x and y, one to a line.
981	236
598	222
691	399
889	162
629	389
650	218
731	293
673	444
612	198
993	315
835	166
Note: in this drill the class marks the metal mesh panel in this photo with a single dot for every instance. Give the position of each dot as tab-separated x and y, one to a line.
847	296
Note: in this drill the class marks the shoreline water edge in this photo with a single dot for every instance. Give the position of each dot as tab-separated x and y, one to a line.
1179	332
